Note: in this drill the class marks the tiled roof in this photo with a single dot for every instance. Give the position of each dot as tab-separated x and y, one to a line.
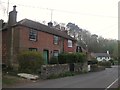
44	28
101	55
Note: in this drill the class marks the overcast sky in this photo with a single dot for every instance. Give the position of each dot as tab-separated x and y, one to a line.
97	16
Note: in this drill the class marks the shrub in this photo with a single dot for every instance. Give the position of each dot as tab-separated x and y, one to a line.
62	58
71	58
94	67
94	61
53	60
80	57
105	63
108	64
30	61
112	61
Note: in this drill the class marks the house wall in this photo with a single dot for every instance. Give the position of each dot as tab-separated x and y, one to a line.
15	46
69	49
6	38
44	42
20	41
10	45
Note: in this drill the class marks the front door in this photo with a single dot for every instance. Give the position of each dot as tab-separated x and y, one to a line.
46	56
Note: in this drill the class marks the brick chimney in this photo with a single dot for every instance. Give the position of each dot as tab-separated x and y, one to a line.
12	16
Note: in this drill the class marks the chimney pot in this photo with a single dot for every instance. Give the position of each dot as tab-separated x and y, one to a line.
14	8
50	24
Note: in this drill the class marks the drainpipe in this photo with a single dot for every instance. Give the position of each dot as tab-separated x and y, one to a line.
11	47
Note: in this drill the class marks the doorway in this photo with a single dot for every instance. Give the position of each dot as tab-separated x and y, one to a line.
46	56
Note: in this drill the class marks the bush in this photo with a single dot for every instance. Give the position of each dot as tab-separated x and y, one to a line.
71	58
94	61
112	61
105	63
108	64
62	58
80	57
53	60
95	67
30	61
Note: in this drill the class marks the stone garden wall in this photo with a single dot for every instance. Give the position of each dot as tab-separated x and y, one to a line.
78	67
47	70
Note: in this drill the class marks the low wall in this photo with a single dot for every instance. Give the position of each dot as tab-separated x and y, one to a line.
47	70
98	68
78	67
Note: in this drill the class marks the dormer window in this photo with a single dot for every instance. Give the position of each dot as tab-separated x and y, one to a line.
70	43
33	35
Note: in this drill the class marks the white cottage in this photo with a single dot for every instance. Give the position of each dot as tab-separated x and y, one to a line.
101	56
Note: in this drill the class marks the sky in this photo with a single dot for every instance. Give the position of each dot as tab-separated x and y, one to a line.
97	16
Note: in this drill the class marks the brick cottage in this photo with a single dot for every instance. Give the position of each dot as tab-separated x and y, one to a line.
34	36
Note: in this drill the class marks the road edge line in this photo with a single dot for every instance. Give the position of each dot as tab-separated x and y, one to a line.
112	84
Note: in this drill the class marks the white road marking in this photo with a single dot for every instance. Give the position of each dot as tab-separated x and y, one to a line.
112	84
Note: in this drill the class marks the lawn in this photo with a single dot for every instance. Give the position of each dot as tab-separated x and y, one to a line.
9	80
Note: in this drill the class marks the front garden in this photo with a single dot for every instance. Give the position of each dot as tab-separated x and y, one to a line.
66	64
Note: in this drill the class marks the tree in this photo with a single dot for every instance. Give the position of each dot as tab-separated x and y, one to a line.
74	30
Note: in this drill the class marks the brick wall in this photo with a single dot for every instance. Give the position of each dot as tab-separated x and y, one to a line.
69	49
6	43
44	41
21	42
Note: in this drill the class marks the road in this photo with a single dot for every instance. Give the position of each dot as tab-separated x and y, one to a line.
107	78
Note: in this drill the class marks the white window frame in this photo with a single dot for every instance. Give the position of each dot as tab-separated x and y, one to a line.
55	53
56	40
33	35
70	43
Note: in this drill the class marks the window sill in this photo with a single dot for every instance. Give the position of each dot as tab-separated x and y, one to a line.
33	40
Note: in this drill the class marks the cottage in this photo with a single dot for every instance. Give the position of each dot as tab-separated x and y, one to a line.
34	36
101	56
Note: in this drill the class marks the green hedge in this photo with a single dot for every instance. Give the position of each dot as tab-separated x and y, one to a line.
62	58
53	60
30	61
105	63
71	58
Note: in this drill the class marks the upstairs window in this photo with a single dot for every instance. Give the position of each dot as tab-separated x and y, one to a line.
33	35
56	40
70	43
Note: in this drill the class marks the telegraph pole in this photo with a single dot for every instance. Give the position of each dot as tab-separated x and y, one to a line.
8	8
51	14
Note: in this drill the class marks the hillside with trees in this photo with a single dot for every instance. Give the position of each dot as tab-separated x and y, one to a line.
93	42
